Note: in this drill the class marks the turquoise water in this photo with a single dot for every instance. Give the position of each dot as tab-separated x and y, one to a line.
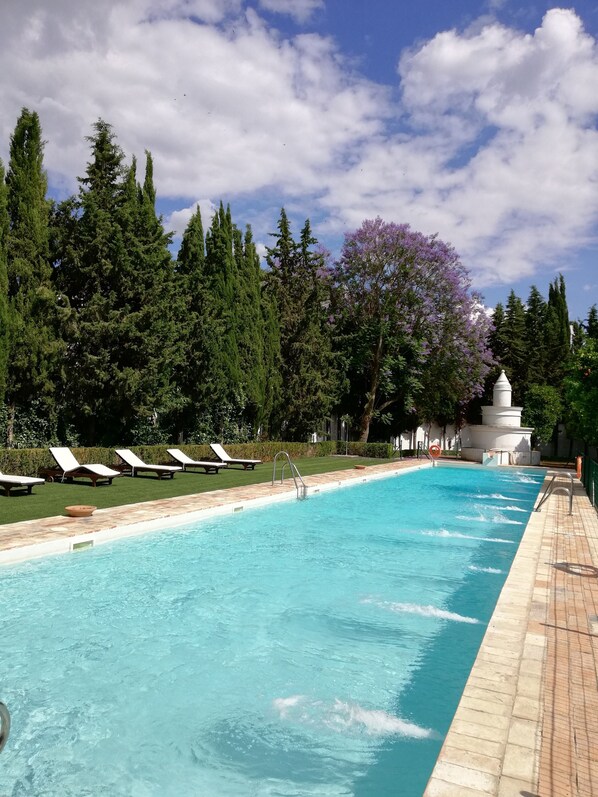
309	648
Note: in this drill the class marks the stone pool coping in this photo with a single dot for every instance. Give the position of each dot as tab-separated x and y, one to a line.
526	724
35	538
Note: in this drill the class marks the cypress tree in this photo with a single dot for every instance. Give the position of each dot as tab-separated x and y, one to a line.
199	332
591	325
152	349
558	335
35	348
221	282
535	337
250	327
4	330
192	253
271	411
515	358
307	371
497	340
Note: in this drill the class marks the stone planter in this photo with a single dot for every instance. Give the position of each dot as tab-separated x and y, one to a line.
80	510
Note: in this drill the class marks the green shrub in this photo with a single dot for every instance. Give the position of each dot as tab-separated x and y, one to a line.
24	461
29	461
373	450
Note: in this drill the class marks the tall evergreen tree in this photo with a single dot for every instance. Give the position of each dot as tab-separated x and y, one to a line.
35	348
591	325
558	333
515	357
535	337
117	272
307	370
4	330
199	331
89	270
221	282
250	327
271	411
496	339
153	349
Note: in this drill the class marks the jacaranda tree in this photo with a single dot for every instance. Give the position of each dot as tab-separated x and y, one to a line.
412	333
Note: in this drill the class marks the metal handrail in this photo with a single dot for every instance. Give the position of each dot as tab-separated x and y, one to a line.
427	454
4	725
302	488
553	489
423	451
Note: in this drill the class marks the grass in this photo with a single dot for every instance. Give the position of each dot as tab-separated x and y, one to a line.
50	499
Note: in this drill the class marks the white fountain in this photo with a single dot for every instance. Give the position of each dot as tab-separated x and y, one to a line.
499	439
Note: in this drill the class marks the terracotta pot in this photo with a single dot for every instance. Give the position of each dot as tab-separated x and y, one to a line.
80	510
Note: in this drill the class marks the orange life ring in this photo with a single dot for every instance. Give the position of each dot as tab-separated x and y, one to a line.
578	467
434	451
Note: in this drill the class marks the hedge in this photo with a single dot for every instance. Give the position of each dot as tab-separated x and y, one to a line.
373	450
29	461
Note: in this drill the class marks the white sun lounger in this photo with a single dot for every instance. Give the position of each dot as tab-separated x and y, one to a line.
224	457
9	483
69	467
186	461
138	465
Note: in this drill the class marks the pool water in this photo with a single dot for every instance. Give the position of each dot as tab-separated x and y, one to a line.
308	648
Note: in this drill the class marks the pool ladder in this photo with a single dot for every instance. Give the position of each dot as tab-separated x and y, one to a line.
553	488
423	452
4	725
300	485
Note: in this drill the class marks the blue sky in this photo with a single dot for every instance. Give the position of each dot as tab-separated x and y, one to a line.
472	120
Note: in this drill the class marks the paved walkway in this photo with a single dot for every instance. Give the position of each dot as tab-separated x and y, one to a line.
527	723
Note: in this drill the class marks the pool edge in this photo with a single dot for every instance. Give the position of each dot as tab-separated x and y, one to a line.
501	739
34	539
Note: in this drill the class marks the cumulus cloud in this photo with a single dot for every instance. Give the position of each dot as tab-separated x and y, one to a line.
526	192
500	153
178	220
492	144
224	109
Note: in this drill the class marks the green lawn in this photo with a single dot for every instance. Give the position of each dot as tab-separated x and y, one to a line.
50	499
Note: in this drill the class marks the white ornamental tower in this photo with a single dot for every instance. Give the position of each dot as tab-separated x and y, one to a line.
499	439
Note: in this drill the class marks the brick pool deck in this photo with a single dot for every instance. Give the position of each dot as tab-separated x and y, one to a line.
527	723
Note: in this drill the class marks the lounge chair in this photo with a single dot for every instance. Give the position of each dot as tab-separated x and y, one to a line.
224	457
9	483
187	462
138	465
70	468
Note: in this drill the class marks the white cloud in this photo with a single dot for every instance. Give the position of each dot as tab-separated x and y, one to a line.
222	109
500	158
495	149
179	219
301	10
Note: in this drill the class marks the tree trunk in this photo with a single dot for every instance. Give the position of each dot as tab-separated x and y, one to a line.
10	426
368	410
366	417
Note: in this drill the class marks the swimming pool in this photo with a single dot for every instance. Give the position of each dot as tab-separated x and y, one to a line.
312	648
